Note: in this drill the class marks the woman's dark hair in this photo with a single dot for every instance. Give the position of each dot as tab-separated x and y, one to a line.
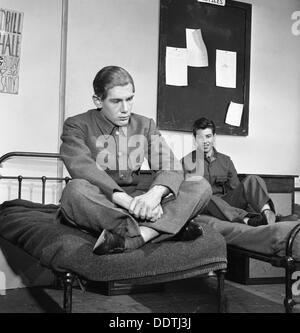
109	77
203	123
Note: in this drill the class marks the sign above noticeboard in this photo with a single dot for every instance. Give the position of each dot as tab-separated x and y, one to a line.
214	2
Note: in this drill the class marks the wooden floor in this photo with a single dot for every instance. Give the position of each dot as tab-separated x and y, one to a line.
187	296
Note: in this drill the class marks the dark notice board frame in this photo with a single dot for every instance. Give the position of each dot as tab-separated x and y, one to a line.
179	107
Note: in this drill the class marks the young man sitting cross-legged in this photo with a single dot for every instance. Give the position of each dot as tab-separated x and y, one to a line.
103	150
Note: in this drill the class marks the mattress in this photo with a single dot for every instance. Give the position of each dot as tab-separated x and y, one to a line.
35	229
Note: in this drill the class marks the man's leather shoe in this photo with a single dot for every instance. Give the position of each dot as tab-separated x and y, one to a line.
191	231
109	243
256	220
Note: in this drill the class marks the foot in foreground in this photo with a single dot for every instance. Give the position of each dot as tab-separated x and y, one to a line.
191	231
109	243
256	220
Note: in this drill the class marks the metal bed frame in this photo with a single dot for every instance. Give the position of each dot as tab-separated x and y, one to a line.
288	262
68	278
20	178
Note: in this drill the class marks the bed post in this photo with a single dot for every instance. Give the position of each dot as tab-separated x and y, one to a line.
68	279
289	302
222	306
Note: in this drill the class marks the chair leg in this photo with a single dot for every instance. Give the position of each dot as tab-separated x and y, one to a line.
222	300
68	279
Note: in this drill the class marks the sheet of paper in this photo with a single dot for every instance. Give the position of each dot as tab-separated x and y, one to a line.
196	48
226	69
214	2
234	114
176	66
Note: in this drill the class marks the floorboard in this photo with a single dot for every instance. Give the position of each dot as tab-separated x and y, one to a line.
187	296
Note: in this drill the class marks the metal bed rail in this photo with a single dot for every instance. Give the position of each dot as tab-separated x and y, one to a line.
68	277
9	155
43	179
288	262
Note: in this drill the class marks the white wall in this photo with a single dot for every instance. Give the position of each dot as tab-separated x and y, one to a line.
29	120
112	32
126	33
273	143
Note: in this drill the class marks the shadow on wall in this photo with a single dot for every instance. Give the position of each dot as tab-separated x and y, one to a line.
20	269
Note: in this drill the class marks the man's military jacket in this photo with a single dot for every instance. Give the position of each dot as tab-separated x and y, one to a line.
110	157
218	170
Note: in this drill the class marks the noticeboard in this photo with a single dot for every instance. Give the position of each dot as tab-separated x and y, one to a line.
223	28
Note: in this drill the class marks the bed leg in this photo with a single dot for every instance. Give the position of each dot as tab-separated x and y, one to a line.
289	301
222	301
68	279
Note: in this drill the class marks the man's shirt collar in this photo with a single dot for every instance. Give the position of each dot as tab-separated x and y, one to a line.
213	156
106	126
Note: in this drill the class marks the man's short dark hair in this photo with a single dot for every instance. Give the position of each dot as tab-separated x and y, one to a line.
109	77
203	123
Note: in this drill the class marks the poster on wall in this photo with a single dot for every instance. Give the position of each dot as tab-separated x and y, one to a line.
11	23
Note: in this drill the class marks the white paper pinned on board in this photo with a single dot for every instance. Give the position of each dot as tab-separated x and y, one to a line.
214	2
176	66
234	114
225	69
196	48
